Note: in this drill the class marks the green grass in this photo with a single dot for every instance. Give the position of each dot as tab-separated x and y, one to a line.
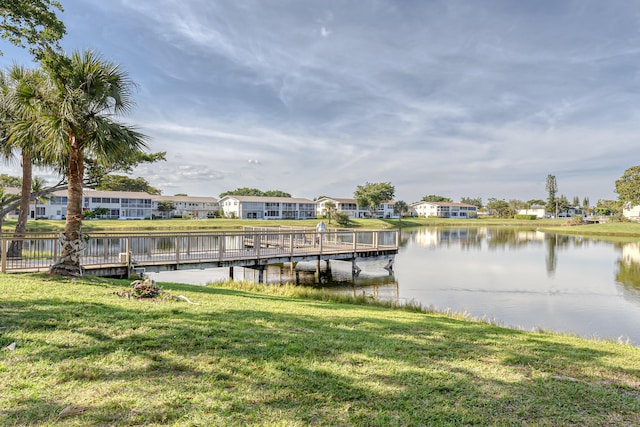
227	224
611	229
85	356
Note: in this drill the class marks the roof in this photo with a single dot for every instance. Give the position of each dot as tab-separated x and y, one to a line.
87	192
185	199
445	204
337	199
265	199
340	200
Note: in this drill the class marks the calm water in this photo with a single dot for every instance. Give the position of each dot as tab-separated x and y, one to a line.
519	278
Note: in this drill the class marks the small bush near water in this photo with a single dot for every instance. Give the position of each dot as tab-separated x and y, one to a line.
528	217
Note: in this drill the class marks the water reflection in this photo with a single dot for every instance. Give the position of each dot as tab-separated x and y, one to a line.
520	277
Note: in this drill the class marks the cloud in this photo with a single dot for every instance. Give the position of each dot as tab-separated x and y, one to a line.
452	98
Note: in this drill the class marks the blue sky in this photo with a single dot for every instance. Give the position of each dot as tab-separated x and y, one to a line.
456	98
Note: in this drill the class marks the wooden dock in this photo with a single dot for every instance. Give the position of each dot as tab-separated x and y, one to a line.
117	254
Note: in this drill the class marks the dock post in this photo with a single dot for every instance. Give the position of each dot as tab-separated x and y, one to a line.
389	267
3	266
231	272
261	274
128	257
355	270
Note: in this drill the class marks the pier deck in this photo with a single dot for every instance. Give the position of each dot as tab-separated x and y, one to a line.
111	254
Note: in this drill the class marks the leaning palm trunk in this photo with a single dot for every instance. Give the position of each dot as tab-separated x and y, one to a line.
71	240
15	248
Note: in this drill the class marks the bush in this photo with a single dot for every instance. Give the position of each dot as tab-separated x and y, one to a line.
341	218
522	216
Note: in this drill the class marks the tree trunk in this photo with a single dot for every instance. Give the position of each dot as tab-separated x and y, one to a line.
71	239
15	248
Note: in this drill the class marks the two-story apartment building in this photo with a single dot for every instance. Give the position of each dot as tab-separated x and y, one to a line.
185	206
352	210
444	210
120	204
257	207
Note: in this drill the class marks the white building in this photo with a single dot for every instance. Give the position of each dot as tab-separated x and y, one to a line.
631	211
444	210
186	206
257	207
120	204
352	210
538	211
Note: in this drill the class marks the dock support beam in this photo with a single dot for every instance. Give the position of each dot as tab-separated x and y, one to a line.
355	270
389	267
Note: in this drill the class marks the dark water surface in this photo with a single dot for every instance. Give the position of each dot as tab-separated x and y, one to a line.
519	278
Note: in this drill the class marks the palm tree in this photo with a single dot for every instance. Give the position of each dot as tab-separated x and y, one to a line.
88	92
4	198
37	185
400	207
16	85
330	209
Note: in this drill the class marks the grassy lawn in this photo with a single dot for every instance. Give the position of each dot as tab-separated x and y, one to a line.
230	224
85	356
619	229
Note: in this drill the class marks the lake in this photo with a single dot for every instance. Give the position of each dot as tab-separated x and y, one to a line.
516	277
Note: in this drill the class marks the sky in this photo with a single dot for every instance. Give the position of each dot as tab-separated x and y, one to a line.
458	98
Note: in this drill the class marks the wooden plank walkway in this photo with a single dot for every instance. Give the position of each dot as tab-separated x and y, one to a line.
111	254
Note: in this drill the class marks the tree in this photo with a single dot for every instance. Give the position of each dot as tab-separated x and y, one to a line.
586	208
89	93
372	194
628	186
276	193
25	96
475	201
516	204
330	209
166	206
124	183
10	181
535	202
576	201
17	134
4	198
500	208
436	198
37	185
608	207
400	207
96	213
552	189
244	191
33	23
562	203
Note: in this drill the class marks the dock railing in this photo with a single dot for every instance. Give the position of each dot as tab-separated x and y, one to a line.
37	252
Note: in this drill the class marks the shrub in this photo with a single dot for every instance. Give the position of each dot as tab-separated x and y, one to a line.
341	218
522	216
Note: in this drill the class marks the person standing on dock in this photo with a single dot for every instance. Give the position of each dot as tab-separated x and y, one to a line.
320	228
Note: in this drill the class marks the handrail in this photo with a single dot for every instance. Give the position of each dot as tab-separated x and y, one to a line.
38	251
